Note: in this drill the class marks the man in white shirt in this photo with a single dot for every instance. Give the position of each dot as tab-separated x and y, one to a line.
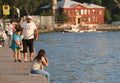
29	34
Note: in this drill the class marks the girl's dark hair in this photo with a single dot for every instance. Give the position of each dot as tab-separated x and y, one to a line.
41	54
18	28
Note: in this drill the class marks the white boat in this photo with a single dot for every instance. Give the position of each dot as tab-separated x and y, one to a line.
87	30
72	30
76	28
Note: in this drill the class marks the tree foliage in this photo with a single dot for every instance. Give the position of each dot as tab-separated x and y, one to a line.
29	5
46	13
33	6
62	17
107	16
117	17
98	2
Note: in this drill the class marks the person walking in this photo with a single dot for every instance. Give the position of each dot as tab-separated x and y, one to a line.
11	30
29	33
38	64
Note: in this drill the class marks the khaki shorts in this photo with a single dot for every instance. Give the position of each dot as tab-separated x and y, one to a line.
17	50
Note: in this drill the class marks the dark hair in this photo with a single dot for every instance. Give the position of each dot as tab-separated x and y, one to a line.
18	28
19	20
41	54
12	21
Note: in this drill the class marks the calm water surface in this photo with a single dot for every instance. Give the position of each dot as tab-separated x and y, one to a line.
82	57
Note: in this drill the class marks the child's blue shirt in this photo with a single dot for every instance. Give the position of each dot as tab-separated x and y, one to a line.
14	46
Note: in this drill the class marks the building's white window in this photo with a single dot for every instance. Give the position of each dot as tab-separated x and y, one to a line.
85	11
79	12
100	12
88	11
82	12
93	19
89	19
93	11
97	11
84	19
96	19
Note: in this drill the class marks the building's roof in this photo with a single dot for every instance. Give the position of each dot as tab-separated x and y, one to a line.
92	5
70	4
67	3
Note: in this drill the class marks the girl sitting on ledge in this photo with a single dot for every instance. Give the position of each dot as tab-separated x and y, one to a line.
38	64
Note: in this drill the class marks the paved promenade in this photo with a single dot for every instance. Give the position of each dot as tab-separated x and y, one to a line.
11	72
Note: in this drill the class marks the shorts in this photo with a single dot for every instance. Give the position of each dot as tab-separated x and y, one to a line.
28	43
17	50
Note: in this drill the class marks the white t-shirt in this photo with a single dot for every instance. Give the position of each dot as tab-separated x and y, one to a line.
28	30
4	35
10	30
38	65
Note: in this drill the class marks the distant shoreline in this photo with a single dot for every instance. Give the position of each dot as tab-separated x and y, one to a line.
51	30
108	29
59	29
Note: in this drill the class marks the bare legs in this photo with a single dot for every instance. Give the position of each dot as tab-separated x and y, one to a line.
9	40
25	57
17	56
31	57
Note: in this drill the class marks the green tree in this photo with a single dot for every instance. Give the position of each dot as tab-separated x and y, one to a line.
47	13
107	16
0	9
98	2
63	17
109	4
50	12
117	17
29	5
43	13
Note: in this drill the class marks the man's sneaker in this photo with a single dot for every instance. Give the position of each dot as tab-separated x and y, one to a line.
19	60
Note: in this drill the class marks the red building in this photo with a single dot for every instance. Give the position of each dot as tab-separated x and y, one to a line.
82	13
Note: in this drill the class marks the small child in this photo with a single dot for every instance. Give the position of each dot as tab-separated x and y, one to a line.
38	64
16	43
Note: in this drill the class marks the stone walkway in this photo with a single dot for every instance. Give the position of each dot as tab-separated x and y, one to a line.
11	72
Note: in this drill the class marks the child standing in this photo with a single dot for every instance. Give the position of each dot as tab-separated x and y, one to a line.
16	43
38	64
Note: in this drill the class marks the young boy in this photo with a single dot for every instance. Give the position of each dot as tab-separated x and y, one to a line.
16	43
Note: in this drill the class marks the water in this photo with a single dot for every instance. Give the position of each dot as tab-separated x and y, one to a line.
82	57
